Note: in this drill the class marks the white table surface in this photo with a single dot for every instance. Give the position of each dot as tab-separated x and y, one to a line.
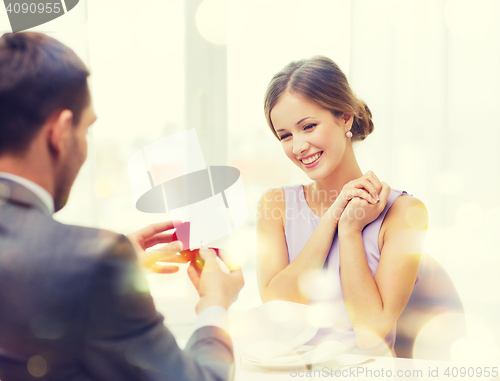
383	368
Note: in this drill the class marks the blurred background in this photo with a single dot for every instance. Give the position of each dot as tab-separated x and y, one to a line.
428	69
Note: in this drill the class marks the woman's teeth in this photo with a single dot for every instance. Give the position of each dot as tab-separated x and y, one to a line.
312	158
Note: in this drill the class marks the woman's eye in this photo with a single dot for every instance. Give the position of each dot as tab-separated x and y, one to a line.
283	137
309	126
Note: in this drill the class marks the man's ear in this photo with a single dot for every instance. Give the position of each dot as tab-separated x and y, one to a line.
59	131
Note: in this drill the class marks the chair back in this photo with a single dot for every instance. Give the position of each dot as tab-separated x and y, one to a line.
433	318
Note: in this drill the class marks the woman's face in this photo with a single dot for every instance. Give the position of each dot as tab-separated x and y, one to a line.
312	137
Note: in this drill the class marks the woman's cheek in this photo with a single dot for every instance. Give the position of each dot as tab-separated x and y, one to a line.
288	151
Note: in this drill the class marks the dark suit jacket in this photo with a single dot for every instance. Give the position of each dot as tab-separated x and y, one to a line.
75	306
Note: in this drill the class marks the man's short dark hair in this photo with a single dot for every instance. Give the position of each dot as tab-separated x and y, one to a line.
39	76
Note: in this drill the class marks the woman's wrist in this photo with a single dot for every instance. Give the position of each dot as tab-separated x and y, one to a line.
348	229
334	213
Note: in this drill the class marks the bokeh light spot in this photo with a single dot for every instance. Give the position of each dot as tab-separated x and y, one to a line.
435	339
321	315
416	217
310	281
281	312
140	281
478	347
37	366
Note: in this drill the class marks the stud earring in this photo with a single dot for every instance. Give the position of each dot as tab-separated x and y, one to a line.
348	134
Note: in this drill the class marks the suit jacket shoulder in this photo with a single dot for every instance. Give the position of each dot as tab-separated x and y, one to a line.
74	297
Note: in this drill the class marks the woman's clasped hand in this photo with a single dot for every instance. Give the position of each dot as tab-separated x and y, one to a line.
361	201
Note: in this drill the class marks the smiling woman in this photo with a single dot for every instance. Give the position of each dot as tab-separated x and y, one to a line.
321	130
343	222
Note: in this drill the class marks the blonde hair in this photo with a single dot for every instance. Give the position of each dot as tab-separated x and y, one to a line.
320	80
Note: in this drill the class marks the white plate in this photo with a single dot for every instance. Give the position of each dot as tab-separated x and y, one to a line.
305	355
272	329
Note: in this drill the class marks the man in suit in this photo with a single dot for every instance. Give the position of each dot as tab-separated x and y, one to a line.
73	301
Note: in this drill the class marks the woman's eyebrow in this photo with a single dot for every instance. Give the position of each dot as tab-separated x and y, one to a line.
300	121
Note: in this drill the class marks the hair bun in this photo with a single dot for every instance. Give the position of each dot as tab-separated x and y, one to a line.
320	80
15	41
363	123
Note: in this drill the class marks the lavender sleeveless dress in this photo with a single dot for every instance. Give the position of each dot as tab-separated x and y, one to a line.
327	297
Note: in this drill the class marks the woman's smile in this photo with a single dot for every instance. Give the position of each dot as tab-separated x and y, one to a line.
312	137
311	160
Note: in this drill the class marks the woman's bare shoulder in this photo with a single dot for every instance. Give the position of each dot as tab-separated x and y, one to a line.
272	205
273	197
406	212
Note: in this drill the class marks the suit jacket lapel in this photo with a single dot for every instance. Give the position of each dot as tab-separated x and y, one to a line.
15	193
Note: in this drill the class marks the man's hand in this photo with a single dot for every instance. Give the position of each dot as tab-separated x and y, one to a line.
214	286
153	235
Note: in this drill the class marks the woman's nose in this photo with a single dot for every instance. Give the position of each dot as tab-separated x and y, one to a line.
299	145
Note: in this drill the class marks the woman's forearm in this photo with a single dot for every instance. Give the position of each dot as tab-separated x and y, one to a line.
287	285
362	298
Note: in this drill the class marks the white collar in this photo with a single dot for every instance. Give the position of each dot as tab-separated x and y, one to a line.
39	191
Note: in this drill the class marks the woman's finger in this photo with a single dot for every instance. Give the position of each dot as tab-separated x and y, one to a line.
373	179
361	193
363	182
373	176
386	191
